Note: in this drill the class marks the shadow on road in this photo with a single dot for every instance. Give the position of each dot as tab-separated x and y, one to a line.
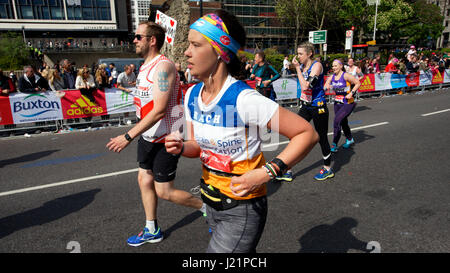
339	159
48	212
343	156
335	238
183	222
26	158
359	108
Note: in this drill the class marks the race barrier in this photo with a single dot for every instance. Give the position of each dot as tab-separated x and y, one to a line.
20	108
289	88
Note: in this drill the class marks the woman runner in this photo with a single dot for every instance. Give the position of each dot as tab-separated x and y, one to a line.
313	101
223	119
344	102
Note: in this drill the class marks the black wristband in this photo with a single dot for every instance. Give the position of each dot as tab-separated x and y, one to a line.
281	165
127	137
182	149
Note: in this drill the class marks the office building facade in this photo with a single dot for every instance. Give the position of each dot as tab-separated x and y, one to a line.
263	28
53	20
444	5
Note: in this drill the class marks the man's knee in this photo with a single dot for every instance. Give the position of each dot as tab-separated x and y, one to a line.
145	178
164	190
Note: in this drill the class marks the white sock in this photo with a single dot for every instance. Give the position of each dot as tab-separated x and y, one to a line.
151	226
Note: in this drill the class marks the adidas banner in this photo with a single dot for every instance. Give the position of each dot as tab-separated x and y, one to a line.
75	105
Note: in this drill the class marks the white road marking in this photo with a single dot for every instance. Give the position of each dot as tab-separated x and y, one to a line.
352	129
433	113
67	182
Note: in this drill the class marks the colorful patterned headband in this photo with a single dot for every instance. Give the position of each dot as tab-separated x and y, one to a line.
216	33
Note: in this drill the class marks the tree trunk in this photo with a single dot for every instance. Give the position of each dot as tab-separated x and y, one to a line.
180	11
360	35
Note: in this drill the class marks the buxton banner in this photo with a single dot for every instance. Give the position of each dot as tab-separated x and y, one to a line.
38	107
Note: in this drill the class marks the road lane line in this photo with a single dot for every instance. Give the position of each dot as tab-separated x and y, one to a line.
434	113
67	182
352	129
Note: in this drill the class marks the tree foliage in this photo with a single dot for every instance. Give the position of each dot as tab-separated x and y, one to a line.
356	13
290	13
13	52
307	15
397	20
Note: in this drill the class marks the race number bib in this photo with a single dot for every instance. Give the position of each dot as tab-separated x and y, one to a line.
258	81
306	95
216	161
339	98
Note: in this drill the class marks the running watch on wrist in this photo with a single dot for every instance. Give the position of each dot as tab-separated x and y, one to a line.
127	137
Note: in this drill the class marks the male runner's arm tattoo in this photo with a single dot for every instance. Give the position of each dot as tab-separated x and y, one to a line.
163	81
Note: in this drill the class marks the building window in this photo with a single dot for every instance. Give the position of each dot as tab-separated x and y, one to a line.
97	10
40	9
6	10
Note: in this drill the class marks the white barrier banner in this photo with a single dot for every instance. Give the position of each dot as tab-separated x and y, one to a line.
285	88
382	81
425	78
118	101
44	106
447	76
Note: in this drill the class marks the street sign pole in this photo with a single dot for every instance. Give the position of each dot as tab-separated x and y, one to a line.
375	23
349	41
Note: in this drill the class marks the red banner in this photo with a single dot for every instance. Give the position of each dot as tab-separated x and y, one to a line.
438	77
75	105
5	111
413	79
367	83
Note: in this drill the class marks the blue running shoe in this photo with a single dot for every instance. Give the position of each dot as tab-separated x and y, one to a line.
145	237
334	148
324	174
286	177
347	143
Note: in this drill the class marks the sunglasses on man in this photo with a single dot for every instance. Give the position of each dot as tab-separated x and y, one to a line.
139	36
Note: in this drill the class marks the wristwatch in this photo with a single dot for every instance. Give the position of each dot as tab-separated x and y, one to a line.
127	137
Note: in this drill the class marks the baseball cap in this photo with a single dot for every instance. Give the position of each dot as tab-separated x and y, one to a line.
412	46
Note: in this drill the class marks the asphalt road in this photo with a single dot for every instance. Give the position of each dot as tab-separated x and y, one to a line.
391	192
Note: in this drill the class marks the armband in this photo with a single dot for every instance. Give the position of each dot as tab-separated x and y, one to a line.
313	81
